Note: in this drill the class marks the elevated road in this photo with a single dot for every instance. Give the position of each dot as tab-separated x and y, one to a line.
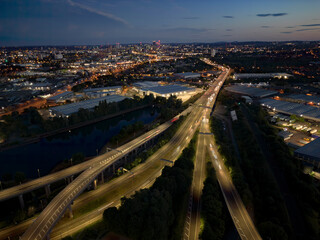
238	212
19	190
43	225
192	223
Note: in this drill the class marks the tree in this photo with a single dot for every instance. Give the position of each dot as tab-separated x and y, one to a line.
19	177
269	230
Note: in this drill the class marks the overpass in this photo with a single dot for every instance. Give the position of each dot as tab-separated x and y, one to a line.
43	225
68	173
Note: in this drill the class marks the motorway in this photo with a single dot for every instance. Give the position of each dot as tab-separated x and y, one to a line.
192	223
237	210
42	226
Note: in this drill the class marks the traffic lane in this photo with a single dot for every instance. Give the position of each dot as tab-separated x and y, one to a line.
66	202
48	179
197	188
181	140
234	203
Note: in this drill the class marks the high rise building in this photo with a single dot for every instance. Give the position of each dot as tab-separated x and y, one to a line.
213	52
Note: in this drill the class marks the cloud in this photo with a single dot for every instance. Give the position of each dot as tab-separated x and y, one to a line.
279	14
191	18
187	29
286	32
229	30
291	27
227	35
311	25
265	26
228	16
98	12
271	14
306	29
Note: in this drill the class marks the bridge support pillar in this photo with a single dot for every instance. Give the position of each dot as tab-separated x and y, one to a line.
70	211
125	160
48	190
95	184
113	168
70	179
21	201
102	177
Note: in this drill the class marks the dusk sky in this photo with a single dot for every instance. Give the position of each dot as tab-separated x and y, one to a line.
68	22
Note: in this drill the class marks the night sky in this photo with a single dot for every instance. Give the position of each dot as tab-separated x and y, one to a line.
72	22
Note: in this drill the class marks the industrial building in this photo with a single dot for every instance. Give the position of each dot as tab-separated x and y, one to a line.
146	84
68	109
302	98
62	97
167	90
290	108
251	91
101	92
188	75
239	76
310	153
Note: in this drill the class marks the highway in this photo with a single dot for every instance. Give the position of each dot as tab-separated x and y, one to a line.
238	211
63	174
42	226
56	208
192	223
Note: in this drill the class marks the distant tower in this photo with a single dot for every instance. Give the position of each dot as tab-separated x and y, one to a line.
213	52
117	45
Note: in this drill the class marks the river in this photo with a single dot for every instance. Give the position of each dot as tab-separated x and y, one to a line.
48	152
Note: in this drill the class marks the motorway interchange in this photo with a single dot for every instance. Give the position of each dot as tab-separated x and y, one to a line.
43	226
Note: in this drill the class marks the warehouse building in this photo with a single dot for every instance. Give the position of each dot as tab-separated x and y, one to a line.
239	76
290	108
146	84
302	98
62	97
101	92
251	91
168	90
310	153
68	109
188	75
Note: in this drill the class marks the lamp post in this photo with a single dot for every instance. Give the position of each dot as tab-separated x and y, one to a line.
38	172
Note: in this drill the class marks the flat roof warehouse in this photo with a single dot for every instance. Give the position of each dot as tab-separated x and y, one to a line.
251	91
68	109
167	90
306	111
310	152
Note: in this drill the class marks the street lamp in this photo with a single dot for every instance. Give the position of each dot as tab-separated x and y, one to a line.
38	172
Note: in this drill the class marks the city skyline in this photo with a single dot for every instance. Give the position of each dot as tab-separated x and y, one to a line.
73	22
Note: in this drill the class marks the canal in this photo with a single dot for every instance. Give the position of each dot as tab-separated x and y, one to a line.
48	152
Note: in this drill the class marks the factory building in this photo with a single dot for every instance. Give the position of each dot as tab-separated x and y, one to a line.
290	108
310	153
101	92
68	109
239	76
167	90
188	75
251	91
